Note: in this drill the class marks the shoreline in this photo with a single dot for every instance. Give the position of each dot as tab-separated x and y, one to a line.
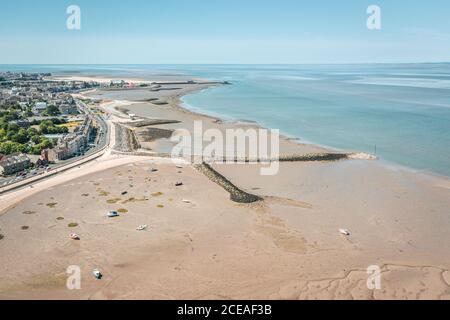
202	245
296	139
177	103
180	105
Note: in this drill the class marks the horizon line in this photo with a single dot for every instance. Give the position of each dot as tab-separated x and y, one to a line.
204	64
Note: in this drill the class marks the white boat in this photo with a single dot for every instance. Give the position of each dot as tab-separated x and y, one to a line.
113	214
74	236
97	274
345	232
142	227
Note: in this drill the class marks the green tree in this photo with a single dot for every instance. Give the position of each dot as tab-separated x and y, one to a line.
52	111
21	136
10	147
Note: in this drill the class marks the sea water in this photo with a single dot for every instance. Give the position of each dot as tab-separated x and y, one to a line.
401	112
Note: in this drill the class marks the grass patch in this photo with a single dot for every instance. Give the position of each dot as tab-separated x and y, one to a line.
134	200
52	204
122	210
70	125
157	194
160	206
29	212
85	195
113	201
102	193
72	225
60	218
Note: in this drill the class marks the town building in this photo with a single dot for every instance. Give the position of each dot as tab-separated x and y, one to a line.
117	83
39	107
59	153
67	109
72	144
13	164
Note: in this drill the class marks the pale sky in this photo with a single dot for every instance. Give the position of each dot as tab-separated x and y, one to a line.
232	31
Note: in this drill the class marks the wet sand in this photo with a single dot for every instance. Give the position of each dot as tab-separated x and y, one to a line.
285	247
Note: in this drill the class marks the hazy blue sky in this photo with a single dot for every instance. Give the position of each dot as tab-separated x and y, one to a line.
227	31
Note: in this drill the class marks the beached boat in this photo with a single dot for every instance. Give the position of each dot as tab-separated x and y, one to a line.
142	227
112	214
97	274
74	236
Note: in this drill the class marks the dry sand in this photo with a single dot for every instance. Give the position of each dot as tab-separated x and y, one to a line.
285	247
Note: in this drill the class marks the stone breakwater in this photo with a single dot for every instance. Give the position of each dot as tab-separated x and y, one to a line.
125	139
240	196
315	157
236	194
283	158
151	122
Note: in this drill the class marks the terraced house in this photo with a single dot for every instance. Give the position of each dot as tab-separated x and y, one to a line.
13	164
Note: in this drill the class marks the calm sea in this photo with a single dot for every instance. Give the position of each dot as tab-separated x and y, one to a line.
401	111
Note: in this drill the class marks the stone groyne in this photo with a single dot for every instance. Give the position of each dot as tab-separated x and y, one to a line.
151	122
125	139
314	157
236	194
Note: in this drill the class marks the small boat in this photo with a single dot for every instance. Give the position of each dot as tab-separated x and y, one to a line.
154	170
142	227
186	201
345	232
112	214
97	274
178	184
74	236
179	166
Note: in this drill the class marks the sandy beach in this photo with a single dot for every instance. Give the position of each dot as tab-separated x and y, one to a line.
201	245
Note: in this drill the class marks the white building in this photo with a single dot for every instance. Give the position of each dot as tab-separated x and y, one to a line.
117	83
39	107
